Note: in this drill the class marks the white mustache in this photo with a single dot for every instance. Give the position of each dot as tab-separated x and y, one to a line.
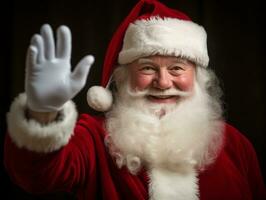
152	92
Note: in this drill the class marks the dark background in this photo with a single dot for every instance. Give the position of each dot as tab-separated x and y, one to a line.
236	42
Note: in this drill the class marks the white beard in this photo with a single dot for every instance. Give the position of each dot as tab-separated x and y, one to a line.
179	137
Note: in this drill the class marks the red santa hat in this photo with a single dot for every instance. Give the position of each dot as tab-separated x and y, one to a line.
151	28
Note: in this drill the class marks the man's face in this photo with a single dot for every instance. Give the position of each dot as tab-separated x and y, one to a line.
161	73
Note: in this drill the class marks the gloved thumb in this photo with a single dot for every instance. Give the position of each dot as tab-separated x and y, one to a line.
81	71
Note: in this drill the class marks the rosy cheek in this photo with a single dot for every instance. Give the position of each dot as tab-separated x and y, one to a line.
185	83
141	82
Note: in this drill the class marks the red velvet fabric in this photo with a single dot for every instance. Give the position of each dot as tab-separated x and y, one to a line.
84	166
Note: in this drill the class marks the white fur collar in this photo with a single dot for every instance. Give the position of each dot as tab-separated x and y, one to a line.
170	185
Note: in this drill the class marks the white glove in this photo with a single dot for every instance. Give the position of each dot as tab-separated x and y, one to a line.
49	82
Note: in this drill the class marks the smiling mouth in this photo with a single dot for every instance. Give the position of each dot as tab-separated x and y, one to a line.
163	98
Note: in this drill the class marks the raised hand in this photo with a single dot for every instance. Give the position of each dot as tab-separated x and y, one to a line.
49	82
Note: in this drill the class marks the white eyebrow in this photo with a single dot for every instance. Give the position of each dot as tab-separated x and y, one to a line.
182	60
144	60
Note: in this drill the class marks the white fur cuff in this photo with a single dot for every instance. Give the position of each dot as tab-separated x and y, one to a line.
35	136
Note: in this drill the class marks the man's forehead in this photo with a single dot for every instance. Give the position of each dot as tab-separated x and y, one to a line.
151	59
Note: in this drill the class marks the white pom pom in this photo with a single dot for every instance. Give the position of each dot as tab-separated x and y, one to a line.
99	98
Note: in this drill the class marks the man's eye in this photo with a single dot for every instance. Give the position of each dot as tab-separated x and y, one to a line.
147	69
176	69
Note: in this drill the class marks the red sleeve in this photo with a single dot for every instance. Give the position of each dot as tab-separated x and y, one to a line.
62	170
247	162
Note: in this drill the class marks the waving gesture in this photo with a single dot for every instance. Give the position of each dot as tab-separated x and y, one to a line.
49	82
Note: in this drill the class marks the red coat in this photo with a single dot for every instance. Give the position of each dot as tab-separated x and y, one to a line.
85	166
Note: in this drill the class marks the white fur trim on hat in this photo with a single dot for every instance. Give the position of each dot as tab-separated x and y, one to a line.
168	36
99	98
34	136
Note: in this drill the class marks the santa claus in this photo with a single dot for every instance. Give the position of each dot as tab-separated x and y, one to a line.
161	136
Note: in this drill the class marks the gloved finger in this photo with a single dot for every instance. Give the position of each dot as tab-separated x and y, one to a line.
37	42
63	47
81	71
31	58
48	40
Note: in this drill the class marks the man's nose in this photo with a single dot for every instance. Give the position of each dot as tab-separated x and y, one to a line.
163	80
